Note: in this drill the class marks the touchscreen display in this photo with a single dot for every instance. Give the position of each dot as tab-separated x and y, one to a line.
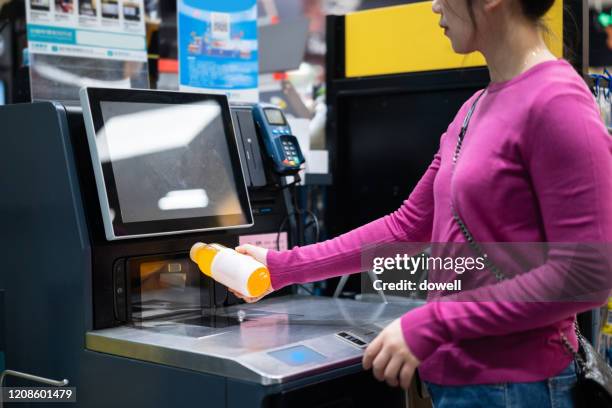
168	161
275	117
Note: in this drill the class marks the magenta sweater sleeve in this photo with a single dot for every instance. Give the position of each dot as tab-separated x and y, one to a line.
568	155
342	255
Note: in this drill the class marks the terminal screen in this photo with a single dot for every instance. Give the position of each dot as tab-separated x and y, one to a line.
275	117
168	161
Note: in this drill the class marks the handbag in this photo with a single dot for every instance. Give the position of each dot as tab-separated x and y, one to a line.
594	375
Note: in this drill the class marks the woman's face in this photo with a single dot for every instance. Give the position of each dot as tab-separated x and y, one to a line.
458	25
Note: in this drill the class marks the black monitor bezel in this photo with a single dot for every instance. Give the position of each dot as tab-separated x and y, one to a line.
116	228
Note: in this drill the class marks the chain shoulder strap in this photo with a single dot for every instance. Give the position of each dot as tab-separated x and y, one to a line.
462	226
571	349
497	272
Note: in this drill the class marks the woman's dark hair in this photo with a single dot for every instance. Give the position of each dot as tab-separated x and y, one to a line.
536	9
533	9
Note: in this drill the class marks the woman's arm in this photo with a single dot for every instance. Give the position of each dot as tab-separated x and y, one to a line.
342	255
569	158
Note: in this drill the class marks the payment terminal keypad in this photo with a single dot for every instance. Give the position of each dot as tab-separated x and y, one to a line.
291	155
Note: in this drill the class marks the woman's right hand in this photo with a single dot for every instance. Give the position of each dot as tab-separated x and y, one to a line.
260	255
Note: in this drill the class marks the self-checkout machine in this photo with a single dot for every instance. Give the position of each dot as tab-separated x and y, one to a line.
99	287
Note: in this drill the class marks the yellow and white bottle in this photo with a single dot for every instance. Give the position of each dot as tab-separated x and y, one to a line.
236	271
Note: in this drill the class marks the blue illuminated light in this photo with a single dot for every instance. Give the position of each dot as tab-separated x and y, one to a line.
298	355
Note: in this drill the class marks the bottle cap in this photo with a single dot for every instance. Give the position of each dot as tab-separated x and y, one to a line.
195	248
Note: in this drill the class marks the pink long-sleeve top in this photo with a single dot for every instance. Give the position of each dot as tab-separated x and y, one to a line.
536	166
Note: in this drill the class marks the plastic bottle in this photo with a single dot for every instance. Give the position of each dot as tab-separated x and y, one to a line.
236	271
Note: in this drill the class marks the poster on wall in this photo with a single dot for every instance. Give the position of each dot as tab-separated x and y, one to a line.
76	43
218	50
105	29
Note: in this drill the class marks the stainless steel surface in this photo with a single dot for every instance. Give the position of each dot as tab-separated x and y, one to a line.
32	377
341	286
29	377
241	337
371	275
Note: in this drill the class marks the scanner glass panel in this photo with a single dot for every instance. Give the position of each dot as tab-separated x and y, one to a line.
298	355
164	286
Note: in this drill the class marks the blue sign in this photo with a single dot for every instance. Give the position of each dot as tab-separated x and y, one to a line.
83	32
51	34
218	52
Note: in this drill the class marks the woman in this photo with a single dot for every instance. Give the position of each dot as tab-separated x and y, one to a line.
536	166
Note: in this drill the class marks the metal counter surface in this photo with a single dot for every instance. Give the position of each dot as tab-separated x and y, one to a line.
236	342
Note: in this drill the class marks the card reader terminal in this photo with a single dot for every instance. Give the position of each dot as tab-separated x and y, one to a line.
282	147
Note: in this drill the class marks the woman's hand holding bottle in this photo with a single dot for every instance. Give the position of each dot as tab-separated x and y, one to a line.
244	271
260	255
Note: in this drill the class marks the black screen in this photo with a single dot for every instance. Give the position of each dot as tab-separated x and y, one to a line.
391	141
165	162
169	161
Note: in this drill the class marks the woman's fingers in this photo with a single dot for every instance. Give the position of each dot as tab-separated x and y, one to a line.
255	252
390	357
238	294
371	352
392	370
243	249
380	363
247	299
241	296
259	254
406	374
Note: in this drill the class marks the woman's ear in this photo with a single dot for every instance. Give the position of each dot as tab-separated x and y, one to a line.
492	5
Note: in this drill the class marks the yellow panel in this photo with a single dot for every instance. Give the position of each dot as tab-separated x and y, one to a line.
554	22
407	38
